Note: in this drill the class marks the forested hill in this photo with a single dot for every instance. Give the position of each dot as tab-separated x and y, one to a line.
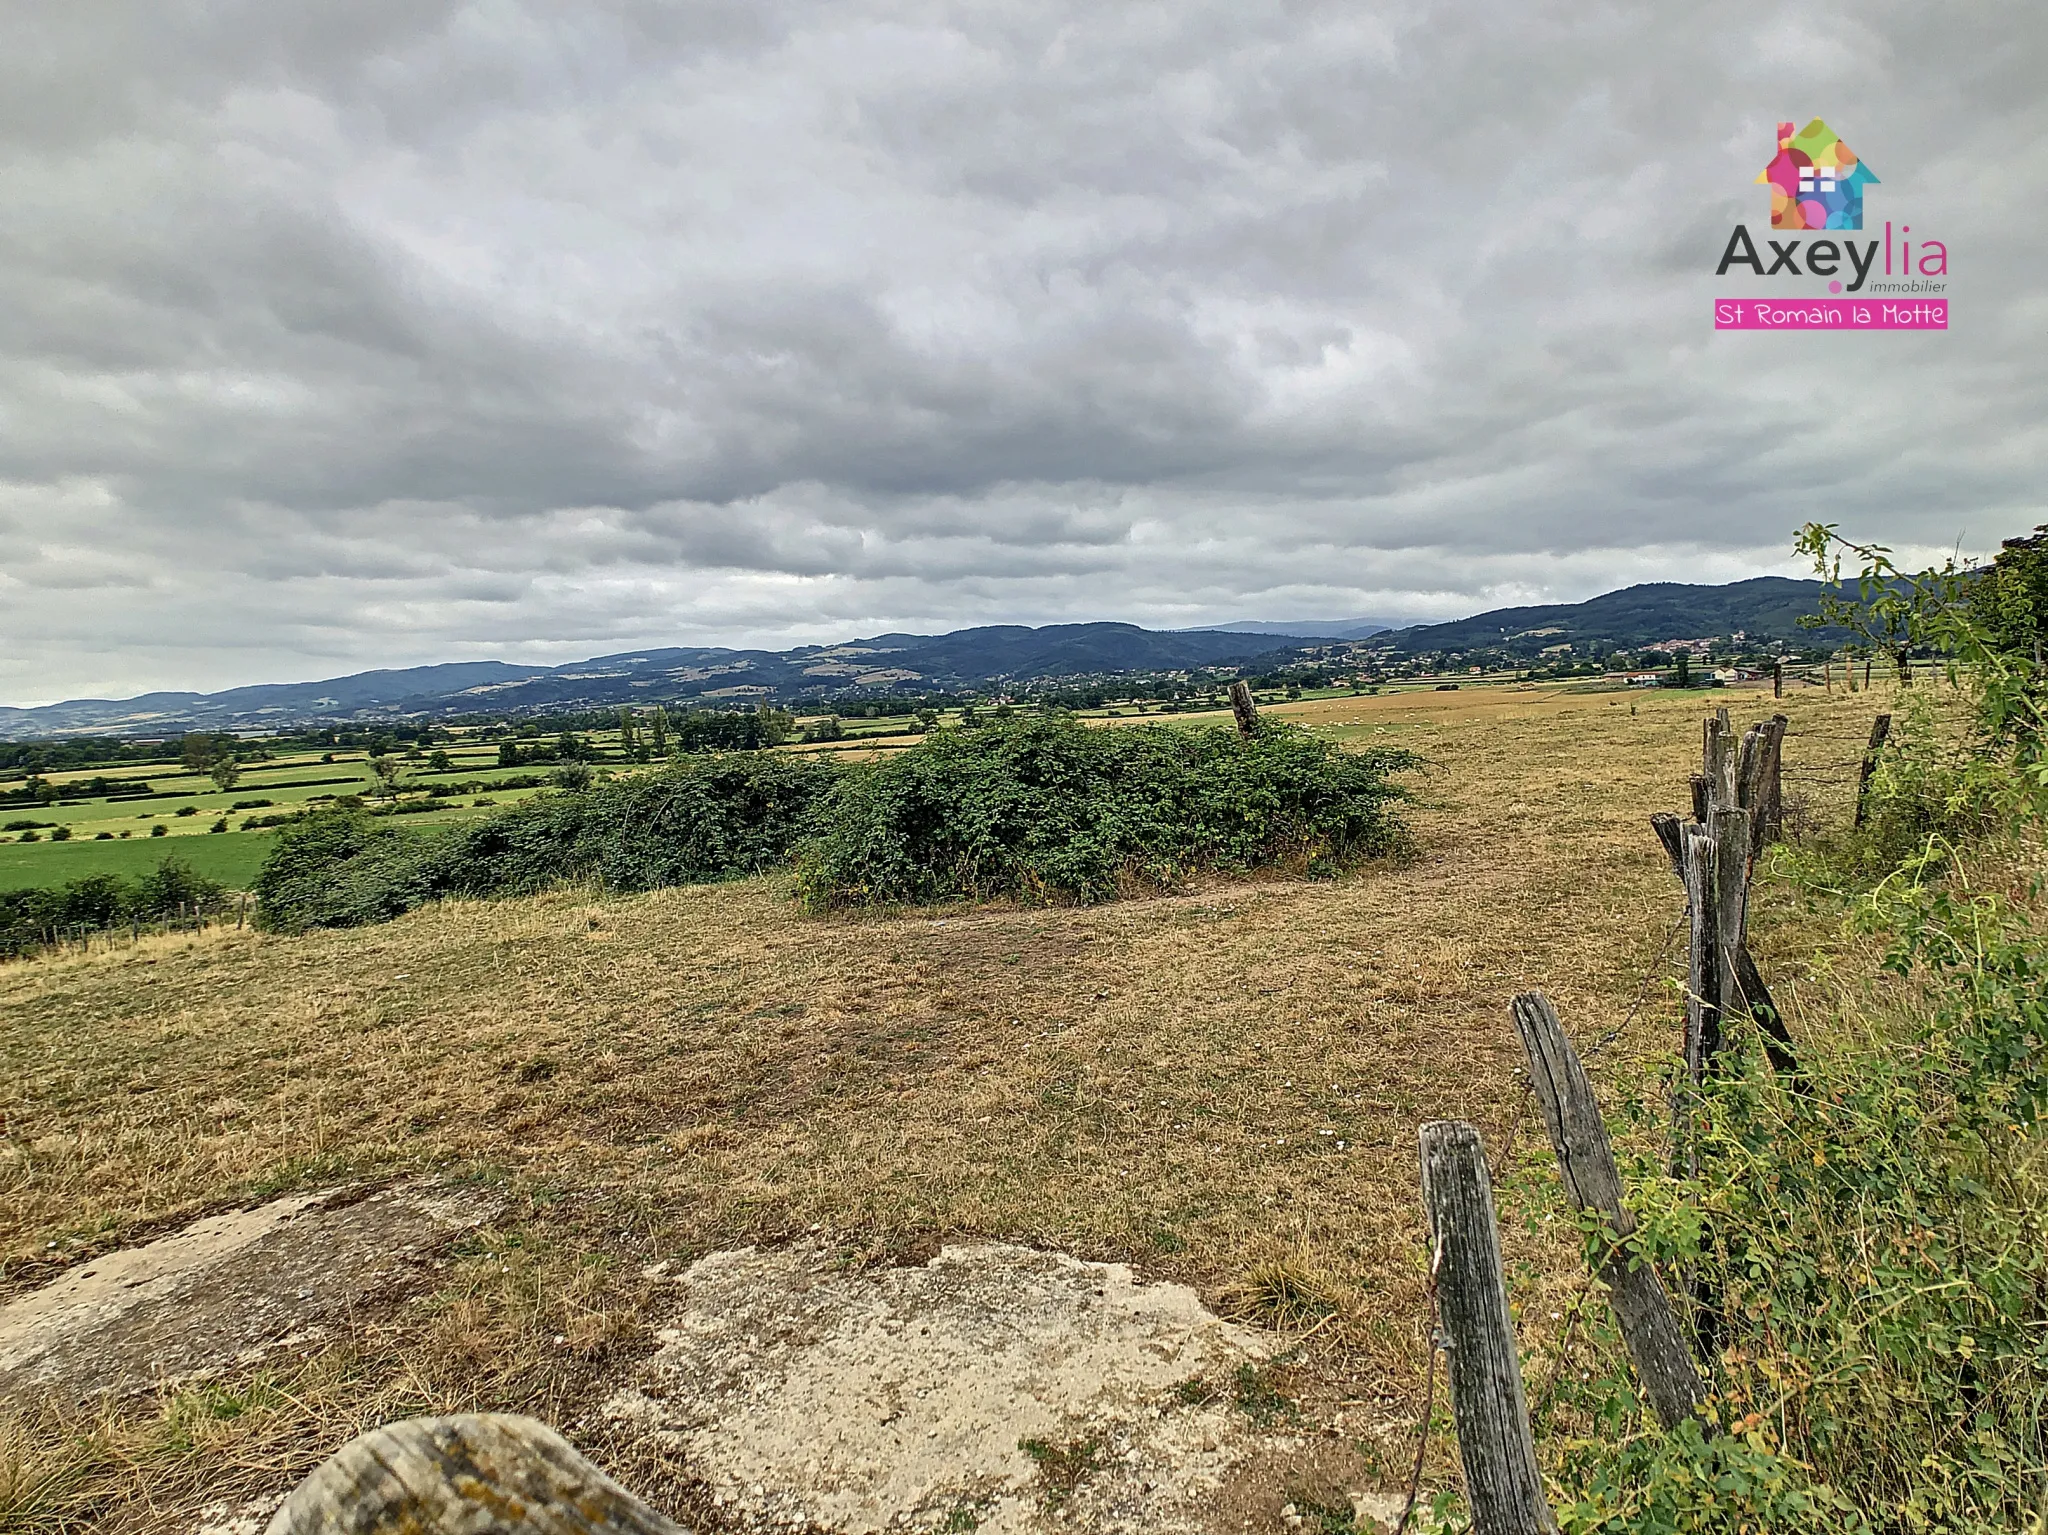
1764	608
965	660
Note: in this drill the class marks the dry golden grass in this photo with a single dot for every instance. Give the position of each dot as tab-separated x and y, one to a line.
1221	1087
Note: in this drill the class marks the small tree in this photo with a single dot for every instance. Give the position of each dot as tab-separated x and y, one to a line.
386	768
657	732
226	772
440	761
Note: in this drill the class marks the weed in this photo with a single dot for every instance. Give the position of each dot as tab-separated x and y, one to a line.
1284	1294
964	1518
1062	1467
1253	1393
1320	1518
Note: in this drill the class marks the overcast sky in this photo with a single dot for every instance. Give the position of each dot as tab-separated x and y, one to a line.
374	333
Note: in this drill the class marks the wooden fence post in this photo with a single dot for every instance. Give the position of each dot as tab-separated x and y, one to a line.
1703	973
1773	781
1878	731
481	1471
1731	909
1495	1446
1586	1159
1244	708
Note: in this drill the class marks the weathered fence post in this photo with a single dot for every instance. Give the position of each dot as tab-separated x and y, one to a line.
1731	908
1721	758
1244	708
1586	1159
1881	728
1703	972
1773	782
473	1472
1495	1446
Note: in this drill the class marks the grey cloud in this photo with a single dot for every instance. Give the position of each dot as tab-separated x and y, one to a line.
385	333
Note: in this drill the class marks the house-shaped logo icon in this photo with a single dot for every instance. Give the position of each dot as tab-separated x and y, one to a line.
1816	182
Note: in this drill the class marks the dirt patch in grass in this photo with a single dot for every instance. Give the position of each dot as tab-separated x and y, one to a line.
1196	1085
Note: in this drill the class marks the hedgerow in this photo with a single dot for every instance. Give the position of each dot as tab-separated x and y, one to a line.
706	819
30	919
1047	809
1042	809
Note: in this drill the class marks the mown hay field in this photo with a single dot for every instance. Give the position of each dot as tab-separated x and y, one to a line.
1204	1085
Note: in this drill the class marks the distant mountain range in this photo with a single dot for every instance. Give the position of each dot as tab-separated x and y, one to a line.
1766	608
1319	628
962	661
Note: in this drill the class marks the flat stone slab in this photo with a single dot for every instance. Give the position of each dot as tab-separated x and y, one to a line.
223	1290
995	1388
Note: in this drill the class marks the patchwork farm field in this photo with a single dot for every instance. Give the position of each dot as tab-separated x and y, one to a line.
1216	1087
179	814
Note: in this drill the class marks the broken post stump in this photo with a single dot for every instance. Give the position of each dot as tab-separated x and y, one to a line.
1495	1445
475	1473
1670	832
1578	1134
1244	708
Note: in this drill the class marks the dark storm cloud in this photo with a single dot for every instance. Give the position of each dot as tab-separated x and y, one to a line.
337	336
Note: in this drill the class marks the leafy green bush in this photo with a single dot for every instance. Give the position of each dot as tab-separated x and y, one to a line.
1051	810
704	819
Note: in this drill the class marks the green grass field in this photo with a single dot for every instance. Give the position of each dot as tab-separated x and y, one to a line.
231	857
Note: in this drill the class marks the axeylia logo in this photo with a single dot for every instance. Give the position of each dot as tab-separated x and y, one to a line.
1816	181
1817	184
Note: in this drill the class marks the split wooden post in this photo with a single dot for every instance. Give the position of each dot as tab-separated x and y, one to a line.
1244	708
1702	980
1731	913
480	1471
1881	728
1585	1157
1495	1445
1767	807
